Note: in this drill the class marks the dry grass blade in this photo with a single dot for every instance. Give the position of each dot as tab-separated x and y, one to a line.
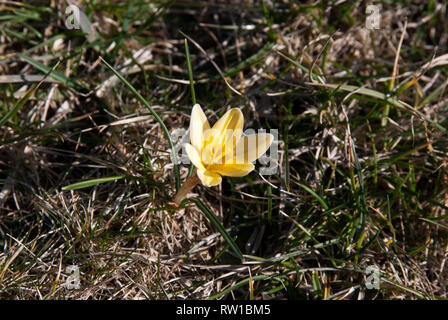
212	62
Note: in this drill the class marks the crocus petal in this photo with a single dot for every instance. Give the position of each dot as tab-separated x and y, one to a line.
226	152
232	119
232	170
226	130
198	125
194	156
208	178
249	148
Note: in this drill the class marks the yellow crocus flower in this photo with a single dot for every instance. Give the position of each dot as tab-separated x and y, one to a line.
221	150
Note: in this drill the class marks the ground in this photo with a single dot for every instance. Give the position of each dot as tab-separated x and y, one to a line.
356	209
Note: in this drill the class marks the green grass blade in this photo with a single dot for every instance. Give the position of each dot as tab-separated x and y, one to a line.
384	97
92	182
362	196
214	220
298	65
243	65
193	94
293	254
315	195
54	74
19	104
435	223
239	285
27	96
156	116
190	72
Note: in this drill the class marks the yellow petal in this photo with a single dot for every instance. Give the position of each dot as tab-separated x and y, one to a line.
208	178
226	153
198	125
232	170
249	148
194	156
232	119
226	130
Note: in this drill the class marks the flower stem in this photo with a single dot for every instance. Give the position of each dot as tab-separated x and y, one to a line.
187	186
